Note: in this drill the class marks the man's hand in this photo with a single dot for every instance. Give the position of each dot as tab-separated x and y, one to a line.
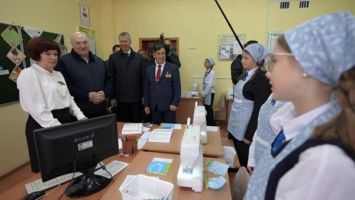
147	110
97	97
113	102
173	108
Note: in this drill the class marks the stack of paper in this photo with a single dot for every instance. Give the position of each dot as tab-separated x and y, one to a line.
132	128
161	135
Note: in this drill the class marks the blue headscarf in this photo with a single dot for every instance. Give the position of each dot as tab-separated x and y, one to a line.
257	51
324	46
210	61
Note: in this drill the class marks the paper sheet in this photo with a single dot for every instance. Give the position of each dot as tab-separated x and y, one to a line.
171	126
161	135
217	167
160	166
11	36
132	128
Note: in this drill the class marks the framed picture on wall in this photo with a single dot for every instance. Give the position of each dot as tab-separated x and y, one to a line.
84	15
272	37
228	47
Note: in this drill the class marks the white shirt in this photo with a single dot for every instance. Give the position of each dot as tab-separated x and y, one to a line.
161	68
41	92
252	71
208	83
323	172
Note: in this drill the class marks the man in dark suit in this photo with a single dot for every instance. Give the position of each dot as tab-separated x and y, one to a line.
162	89
127	69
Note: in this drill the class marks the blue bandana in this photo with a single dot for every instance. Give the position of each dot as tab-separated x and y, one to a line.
257	51
324	46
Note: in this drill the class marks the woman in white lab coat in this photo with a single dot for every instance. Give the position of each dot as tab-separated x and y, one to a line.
312	157
209	80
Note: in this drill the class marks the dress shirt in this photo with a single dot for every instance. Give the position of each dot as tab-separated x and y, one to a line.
161	69
319	168
41	92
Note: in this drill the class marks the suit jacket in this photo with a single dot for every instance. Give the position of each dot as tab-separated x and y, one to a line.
164	93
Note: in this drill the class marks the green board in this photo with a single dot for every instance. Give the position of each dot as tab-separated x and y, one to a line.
8	89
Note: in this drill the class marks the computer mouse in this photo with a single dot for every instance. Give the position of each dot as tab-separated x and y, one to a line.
34	195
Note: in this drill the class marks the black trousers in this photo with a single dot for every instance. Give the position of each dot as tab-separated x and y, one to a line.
63	115
129	112
209	116
242	150
91	110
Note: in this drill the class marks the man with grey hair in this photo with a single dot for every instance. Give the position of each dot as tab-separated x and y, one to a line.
127	69
87	77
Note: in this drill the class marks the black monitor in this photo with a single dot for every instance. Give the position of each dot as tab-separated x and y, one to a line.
77	147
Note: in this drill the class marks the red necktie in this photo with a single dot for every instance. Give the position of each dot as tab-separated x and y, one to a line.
157	76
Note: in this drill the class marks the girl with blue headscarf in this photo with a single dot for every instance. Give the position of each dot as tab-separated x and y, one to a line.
312	157
209	80
250	93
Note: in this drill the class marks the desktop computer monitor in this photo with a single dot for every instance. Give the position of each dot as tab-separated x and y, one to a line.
77	147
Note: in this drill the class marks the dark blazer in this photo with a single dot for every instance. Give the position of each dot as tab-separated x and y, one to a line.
128	76
257	89
164	93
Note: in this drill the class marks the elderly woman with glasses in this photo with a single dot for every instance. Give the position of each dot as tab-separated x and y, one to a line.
312	157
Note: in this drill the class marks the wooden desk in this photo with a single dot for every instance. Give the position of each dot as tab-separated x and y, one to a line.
19	191
139	165
213	148
186	109
229	102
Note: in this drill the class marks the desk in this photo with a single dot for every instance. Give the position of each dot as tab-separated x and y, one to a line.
229	102
19	191
186	109
213	148
139	165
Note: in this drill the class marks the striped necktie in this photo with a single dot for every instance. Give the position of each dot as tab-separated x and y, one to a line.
278	143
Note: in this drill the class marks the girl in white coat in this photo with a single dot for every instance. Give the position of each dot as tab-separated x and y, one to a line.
209	80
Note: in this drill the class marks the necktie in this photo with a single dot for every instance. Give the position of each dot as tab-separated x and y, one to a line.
277	144
273	102
245	75
157	76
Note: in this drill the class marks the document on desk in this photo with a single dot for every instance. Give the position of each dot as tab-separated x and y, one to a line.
171	126
159	166
132	128
160	135
212	128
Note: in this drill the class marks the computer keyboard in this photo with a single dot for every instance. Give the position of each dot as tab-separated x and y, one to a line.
113	167
38	185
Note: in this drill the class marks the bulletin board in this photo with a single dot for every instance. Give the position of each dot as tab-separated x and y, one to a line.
13	40
228	47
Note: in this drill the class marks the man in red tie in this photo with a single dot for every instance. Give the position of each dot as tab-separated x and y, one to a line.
162	89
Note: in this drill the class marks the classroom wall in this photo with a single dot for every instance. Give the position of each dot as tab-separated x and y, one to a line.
51	15
197	23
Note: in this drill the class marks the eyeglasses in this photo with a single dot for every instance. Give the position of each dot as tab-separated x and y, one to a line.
269	60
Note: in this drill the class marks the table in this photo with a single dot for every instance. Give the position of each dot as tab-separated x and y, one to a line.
139	165
186	109
213	148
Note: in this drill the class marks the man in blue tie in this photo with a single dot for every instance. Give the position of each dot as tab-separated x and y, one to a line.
162	89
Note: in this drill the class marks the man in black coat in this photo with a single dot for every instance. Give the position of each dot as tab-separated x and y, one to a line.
87	77
127	69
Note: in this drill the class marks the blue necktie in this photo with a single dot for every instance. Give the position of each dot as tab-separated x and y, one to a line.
277	144
245	75
273	102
